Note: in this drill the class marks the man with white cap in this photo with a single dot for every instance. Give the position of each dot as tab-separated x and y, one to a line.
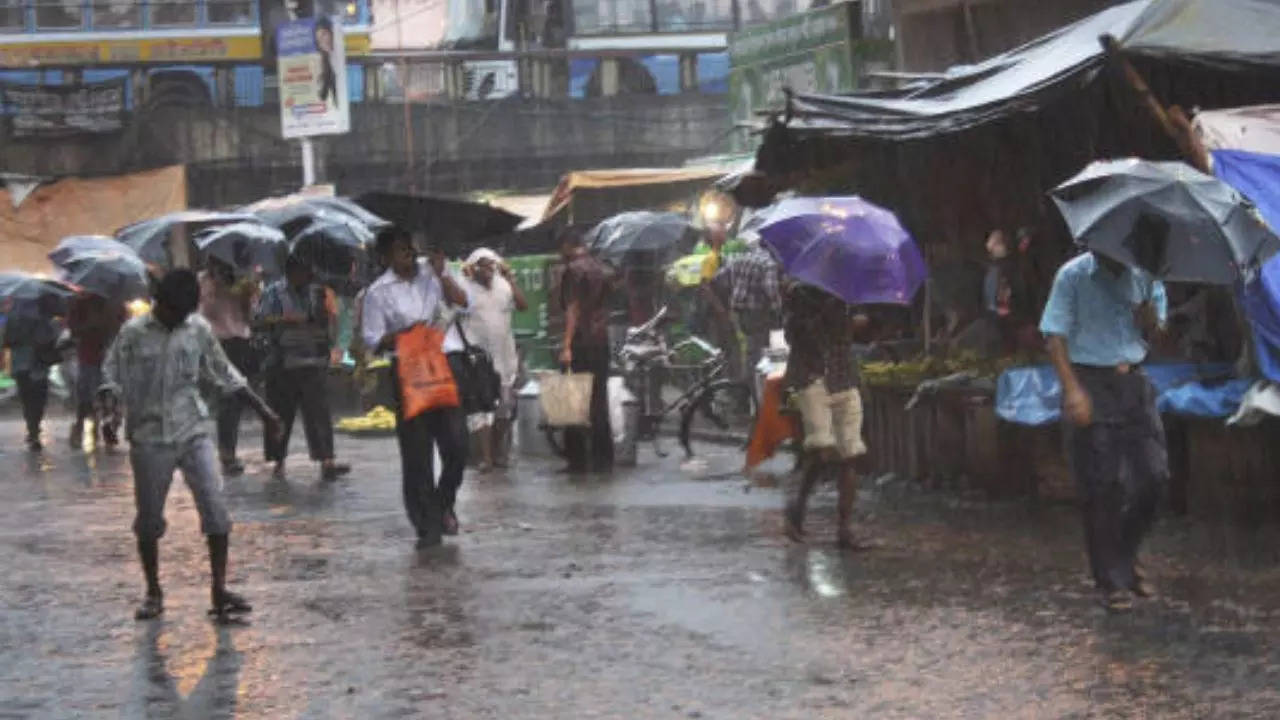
494	296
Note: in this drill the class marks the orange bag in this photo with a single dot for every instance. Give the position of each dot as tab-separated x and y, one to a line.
426	383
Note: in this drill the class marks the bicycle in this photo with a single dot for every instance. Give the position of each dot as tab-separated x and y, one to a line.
646	362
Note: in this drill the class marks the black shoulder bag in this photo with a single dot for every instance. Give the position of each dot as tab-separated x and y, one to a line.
479	387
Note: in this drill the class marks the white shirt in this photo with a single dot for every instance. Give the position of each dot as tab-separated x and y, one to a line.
392	304
488	324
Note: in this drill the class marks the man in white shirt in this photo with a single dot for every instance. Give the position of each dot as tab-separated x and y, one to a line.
410	293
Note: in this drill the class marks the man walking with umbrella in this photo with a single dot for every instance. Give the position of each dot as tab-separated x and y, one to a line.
1094	320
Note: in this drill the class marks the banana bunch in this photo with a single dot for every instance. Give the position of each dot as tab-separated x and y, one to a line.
379	419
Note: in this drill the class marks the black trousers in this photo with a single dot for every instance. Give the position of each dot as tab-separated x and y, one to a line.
33	393
1121	467
230	407
291	390
596	440
427	498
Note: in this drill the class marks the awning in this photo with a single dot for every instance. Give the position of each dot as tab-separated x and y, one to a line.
1216	31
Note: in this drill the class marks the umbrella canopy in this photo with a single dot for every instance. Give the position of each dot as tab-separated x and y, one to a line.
20	287
642	238
337	252
149	237
74	244
293	213
1213	232
244	246
854	250
102	266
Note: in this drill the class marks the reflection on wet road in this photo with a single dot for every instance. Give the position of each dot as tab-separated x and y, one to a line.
657	592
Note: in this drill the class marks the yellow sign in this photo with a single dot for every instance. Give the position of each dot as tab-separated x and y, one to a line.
147	50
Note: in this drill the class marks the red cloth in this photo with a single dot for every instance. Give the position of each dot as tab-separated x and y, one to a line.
93	323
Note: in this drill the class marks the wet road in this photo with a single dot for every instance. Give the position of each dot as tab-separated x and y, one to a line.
661	592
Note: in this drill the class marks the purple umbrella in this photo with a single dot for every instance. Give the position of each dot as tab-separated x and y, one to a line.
854	250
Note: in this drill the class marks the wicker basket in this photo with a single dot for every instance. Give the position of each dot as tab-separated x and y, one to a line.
566	399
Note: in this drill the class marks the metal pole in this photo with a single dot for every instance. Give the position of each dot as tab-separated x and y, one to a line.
308	163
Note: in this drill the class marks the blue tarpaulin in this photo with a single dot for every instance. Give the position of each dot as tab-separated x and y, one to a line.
1256	176
1032	396
1262	305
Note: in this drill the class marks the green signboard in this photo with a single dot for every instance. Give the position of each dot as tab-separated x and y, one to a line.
818	51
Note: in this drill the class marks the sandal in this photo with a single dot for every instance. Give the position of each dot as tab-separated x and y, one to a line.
230	604
151	608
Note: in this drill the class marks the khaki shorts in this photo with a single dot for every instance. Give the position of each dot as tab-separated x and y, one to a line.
832	421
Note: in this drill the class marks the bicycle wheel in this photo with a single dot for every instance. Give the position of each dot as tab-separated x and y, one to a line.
724	409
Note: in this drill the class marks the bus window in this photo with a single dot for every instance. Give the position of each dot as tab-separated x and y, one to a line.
173	12
12	15
237	12
52	14
116	13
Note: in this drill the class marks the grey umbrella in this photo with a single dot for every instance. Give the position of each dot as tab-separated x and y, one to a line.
102	266
149	237
1213	231
642	238
294	213
244	245
21	287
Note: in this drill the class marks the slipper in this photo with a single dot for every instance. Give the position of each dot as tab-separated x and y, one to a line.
230	604
334	471
151	608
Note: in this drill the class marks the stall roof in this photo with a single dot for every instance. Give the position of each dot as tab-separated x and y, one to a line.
1225	31
620	178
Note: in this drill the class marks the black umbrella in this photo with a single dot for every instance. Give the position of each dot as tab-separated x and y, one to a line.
149	238
102	266
455	226
1212	231
20	287
293	213
336	251
244	246
643	237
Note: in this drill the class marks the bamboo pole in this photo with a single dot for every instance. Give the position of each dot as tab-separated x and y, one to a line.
1172	120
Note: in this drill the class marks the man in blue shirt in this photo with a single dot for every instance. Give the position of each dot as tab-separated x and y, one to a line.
1094	320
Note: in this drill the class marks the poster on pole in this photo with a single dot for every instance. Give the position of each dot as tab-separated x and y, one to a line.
312	66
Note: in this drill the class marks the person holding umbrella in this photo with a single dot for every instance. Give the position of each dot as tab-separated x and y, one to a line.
838	253
108	273
295	314
31	334
1095	319
584	295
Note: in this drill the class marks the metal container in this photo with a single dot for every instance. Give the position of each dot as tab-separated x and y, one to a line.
625	438
530	437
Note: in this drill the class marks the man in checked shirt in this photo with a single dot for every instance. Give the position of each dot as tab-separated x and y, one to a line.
154	368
